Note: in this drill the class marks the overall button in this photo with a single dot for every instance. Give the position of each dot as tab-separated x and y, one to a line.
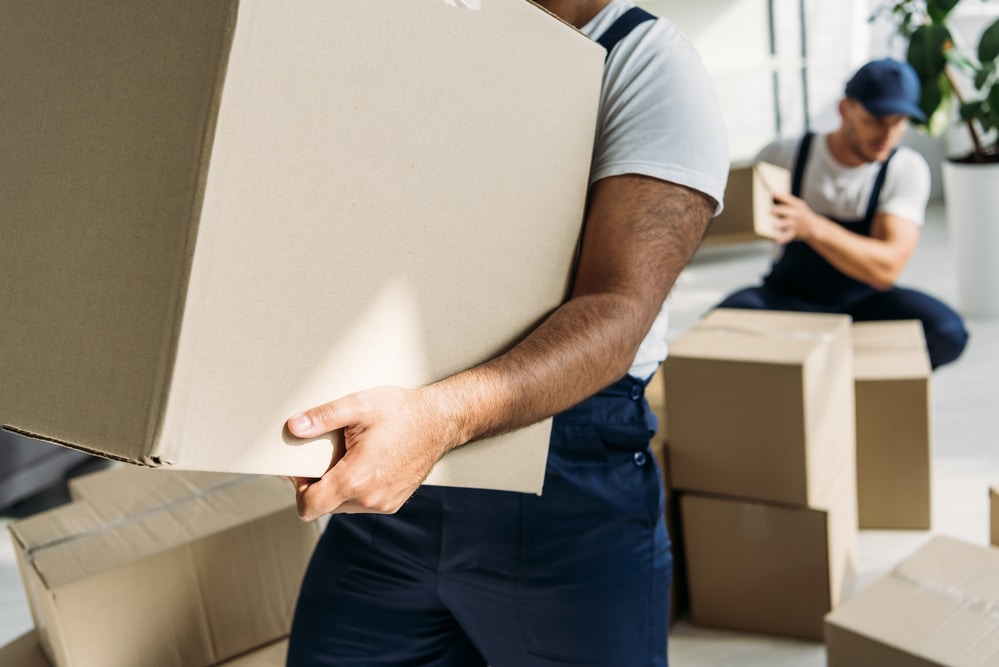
636	392
640	458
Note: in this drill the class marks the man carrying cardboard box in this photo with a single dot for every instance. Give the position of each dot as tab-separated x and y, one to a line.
579	574
852	219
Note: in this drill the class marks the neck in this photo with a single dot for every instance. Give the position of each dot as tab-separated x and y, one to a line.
841	150
574	12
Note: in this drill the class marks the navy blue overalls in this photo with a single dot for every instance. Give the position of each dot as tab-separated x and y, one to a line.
802	280
464	578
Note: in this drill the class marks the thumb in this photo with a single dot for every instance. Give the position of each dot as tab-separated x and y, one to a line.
318	420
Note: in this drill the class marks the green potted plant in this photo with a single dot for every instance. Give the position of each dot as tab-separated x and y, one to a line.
936	56
960	83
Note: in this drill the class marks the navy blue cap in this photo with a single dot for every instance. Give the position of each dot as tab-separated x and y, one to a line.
887	87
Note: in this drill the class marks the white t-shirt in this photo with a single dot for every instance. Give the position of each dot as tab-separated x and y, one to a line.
841	192
659	117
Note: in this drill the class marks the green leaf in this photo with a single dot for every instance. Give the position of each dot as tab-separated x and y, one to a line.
931	99
970	110
939	9
926	51
988	46
983	75
992	99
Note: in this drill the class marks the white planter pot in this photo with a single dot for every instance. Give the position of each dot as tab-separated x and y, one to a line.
971	201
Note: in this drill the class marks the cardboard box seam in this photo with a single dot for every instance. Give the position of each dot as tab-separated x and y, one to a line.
161	455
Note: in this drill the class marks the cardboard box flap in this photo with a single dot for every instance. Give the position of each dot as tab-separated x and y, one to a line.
895	349
82	539
758	336
106	109
941	604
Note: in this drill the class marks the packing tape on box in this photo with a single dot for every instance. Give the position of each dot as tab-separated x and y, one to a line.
965	600
31	552
793	334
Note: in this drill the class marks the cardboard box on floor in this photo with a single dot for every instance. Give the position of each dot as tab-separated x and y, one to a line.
26	651
994	515
892	386
934	609
760	405
774	569
228	212
201	569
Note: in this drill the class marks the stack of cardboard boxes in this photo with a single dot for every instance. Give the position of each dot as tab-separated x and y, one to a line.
761	452
161	567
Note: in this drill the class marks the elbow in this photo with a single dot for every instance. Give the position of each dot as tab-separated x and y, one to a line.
885	278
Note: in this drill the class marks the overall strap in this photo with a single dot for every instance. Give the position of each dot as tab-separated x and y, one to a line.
799	165
879	181
622	26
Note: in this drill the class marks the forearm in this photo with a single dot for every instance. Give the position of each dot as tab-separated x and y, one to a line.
866	259
584	346
591	341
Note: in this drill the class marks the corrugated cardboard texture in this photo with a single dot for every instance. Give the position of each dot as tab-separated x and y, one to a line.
936	608
773	569
190	581
760	405
285	210
994	515
892	372
104	111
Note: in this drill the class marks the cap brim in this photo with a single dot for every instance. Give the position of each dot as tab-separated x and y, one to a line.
893	107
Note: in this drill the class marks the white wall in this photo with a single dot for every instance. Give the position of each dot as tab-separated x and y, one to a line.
733	38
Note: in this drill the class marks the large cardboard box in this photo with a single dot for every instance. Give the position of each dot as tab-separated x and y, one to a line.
218	214
892	387
760	405
197	572
937	608
994	515
774	569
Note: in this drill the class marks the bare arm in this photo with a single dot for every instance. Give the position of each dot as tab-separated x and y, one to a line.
877	260
640	233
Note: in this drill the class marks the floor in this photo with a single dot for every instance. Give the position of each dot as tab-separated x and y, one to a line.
965	460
